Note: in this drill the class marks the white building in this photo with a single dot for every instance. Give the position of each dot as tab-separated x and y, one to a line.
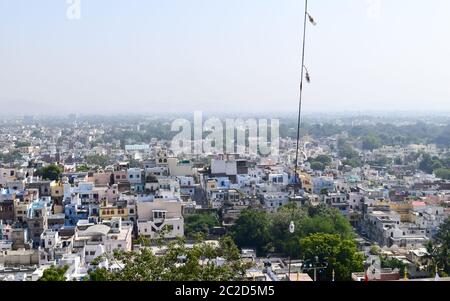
160	216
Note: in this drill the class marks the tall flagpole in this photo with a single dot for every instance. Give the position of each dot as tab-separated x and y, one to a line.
301	91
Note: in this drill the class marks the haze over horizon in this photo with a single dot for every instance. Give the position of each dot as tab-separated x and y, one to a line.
223	55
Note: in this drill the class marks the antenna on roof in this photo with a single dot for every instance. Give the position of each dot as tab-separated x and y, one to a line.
304	75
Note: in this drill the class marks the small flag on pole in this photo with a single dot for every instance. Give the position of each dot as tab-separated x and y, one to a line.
311	19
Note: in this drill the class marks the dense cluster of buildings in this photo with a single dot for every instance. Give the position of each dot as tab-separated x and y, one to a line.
144	190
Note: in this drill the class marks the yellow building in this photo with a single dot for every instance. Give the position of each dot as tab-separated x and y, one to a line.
107	212
405	210
307	183
57	190
211	184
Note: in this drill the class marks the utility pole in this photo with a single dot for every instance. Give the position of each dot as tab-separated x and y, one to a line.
304	75
315	267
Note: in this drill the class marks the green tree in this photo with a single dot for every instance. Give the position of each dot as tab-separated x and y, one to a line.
178	263
100	160
83	168
426	164
443	173
374	250
355	162
441	254
317	166
371	142
51	172
323	159
54	274
251	230
10	157
329	220
347	151
204	223
392	263
340	255
307	220
281	239
22	144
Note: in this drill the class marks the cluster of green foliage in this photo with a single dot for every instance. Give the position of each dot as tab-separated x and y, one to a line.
392	263
349	154
160	130
200	223
51	172
387	262
333	252
439	251
373	135
443	173
320	162
198	264
346	150
99	160
319	231
10	157
83	168
251	229
371	142
36	134
269	232
440	167
22	144
54	273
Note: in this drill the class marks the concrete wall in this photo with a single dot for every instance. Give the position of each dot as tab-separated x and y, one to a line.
16	258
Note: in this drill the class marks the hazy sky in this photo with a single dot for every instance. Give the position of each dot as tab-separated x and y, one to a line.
222	55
